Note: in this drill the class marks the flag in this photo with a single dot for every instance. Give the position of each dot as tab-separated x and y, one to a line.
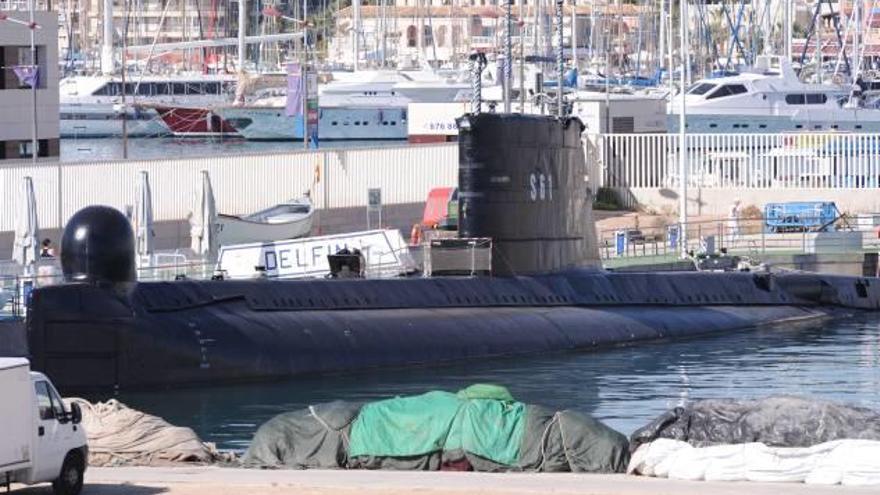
28	75
294	90
271	11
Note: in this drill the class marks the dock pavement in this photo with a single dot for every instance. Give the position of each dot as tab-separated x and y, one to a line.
233	481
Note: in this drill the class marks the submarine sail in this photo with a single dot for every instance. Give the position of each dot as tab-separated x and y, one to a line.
522	183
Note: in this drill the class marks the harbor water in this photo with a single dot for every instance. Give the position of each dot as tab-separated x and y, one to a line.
626	386
92	149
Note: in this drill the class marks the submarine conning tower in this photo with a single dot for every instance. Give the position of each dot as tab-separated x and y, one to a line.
97	247
522	182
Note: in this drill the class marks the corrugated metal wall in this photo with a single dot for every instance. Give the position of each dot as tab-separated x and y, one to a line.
242	183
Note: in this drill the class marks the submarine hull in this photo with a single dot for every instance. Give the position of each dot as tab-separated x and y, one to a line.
157	335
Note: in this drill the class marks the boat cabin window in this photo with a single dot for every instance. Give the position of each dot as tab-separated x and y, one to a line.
806	99
701	88
109	89
728	90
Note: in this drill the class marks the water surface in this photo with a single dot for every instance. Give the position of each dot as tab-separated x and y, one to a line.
91	149
626	386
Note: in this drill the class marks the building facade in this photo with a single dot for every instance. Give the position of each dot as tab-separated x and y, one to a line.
443	31
16	97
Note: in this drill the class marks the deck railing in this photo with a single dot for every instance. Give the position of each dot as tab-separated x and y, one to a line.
749	237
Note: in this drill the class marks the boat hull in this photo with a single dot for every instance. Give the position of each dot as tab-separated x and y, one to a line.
171	334
193	122
100	121
756	124
235	230
334	123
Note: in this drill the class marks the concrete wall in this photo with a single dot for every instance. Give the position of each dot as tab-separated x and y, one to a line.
174	234
242	184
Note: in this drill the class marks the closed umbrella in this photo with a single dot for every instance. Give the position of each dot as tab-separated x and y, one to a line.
26	247
203	222
143	220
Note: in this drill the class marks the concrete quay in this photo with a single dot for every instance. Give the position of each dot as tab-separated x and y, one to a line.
233	481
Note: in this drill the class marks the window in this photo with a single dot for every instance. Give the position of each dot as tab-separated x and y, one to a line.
719	93
44	400
441	36
24	58
456	35
110	89
795	99
411	33
816	99
428	38
701	89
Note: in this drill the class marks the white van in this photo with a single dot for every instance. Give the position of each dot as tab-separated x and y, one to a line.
40	438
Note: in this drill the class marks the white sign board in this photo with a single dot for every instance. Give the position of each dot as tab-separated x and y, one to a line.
385	251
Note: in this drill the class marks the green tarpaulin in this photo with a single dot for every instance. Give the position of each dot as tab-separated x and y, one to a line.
482	419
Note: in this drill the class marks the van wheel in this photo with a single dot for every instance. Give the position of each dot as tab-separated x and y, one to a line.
70	482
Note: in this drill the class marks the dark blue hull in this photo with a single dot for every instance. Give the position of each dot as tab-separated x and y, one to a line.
184	333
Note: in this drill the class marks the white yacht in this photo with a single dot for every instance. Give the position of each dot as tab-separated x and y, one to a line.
366	105
267	120
770	99
91	106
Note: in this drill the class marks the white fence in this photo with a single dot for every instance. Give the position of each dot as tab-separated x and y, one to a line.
739	161
242	183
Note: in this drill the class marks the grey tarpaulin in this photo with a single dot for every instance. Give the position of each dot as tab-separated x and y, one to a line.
775	421
571	441
317	437
121	436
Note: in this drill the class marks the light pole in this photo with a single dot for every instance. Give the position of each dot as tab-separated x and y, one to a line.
35	145
682	132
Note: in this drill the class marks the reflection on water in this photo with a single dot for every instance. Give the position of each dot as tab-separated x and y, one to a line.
82	149
626	387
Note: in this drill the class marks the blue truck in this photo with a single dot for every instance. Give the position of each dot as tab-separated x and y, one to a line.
800	216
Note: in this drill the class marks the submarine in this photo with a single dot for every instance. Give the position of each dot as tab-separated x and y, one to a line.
522	183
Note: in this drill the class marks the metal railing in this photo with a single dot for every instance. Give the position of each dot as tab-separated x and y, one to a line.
16	282
755	161
750	237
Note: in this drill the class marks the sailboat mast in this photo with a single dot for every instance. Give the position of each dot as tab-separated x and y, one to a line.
107	39
356	32
682	132
508	52
786	34
574	36
661	42
242	29
857	38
